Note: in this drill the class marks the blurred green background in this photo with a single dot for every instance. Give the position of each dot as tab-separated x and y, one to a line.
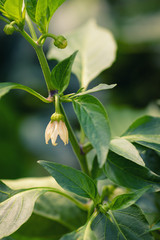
136	27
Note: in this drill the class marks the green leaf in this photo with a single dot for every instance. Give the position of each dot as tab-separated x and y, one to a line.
51	206
96	172
83	233
60	75
97	50
94	121
71	179
5	191
58	208
145	131
14	9
40	228
31	8
41	11
7	86
126	200
129	174
100	87
7	238
125	224
155	227
2	2
16	210
44	12
126	149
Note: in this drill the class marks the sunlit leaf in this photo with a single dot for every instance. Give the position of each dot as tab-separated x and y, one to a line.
97	50
100	87
145	131
14	8
16	210
126	149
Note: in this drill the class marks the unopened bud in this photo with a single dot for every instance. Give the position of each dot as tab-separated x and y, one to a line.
9	29
60	42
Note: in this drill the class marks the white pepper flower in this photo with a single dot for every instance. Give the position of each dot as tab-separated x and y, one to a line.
56	127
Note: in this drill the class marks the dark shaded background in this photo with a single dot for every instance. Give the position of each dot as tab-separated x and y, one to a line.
23	118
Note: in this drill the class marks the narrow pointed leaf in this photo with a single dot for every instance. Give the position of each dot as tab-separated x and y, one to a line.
94	121
97	50
71	179
145	131
126	200
126	149
129	174
7	86
98	88
60	75
125	224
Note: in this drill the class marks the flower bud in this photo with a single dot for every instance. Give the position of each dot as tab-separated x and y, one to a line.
9	29
60	42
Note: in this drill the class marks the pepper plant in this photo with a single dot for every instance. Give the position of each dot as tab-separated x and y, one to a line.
98	201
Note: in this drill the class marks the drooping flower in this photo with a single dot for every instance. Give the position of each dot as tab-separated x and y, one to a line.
56	127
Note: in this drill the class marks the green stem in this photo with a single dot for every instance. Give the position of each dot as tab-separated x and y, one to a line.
42	60
4	19
87	147
80	155
44	36
57	104
45	67
55	190
28	38
31	28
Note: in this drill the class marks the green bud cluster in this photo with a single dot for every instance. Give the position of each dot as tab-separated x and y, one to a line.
60	42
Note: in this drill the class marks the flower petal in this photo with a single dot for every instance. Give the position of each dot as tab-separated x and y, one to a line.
63	132
48	132
55	132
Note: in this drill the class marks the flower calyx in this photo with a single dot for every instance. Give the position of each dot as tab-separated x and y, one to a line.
57	117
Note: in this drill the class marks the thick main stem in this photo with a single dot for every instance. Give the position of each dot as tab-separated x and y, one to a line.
42	60
44	67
